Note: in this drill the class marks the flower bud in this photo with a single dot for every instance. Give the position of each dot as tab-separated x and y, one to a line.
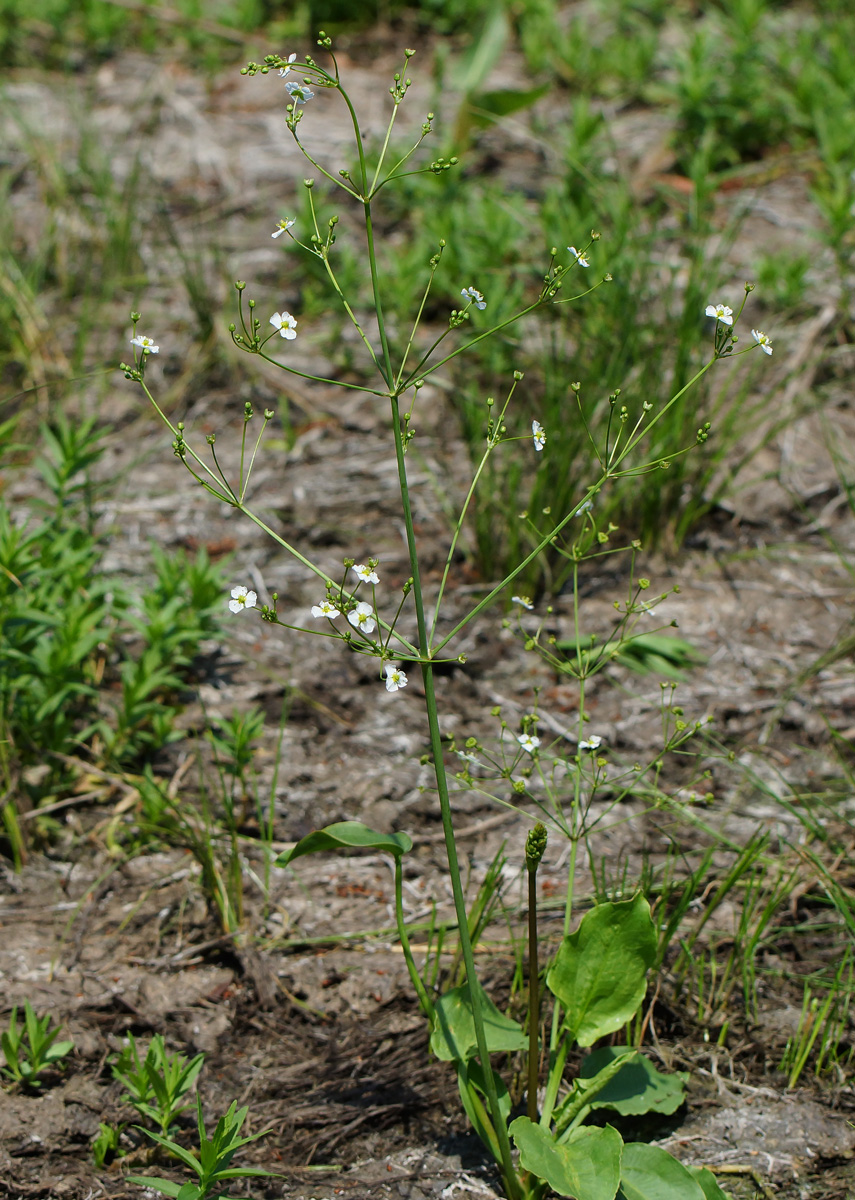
535	846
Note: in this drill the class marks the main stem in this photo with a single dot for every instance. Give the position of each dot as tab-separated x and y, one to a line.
507	1162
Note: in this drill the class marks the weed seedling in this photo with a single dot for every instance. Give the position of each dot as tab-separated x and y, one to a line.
31	1048
211	1162
157	1084
105	1144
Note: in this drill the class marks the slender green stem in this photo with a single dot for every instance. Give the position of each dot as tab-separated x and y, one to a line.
392	175
322	252
241	489
540	302
245	483
386	369
338	182
633	442
557	1060
416	979
354	387
500	587
383	150
310	566
456	535
416	324
507	1164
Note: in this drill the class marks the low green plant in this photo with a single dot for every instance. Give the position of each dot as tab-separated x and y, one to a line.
70	32
596	982
781	278
211	1161
157	1084
824	1024
31	1048
68	632
232	740
167	819
105	1144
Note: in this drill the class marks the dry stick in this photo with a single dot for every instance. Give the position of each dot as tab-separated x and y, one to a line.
535	844
533	997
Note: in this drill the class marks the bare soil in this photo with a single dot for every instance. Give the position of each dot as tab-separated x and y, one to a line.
321	1036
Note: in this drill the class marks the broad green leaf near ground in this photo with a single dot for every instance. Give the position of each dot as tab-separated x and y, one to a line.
454	1037
651	1173
586	1167
599	974
709	1184
638	1087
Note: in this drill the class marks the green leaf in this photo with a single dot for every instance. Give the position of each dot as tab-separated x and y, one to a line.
486	108
245	1173
473	1093
651	1173
709	1184
173	1147
190	1191
587	1166
347	835
489	106
599	973
485	51
454	1037
637	1087
160	1185
58	1050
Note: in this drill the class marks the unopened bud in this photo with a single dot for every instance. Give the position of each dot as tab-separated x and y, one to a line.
535	846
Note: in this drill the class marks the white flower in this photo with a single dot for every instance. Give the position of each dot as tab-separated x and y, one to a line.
286	325
365	573
286	69
523	601
579	256
721	313
281	227
299	93
586	506
648	608
528	742
762	340
147	345
326	608
242	598
592	743
467	757
475	296
538	434
362	618
395	678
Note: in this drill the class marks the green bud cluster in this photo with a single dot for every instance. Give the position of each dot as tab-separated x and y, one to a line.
443	164
535	846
